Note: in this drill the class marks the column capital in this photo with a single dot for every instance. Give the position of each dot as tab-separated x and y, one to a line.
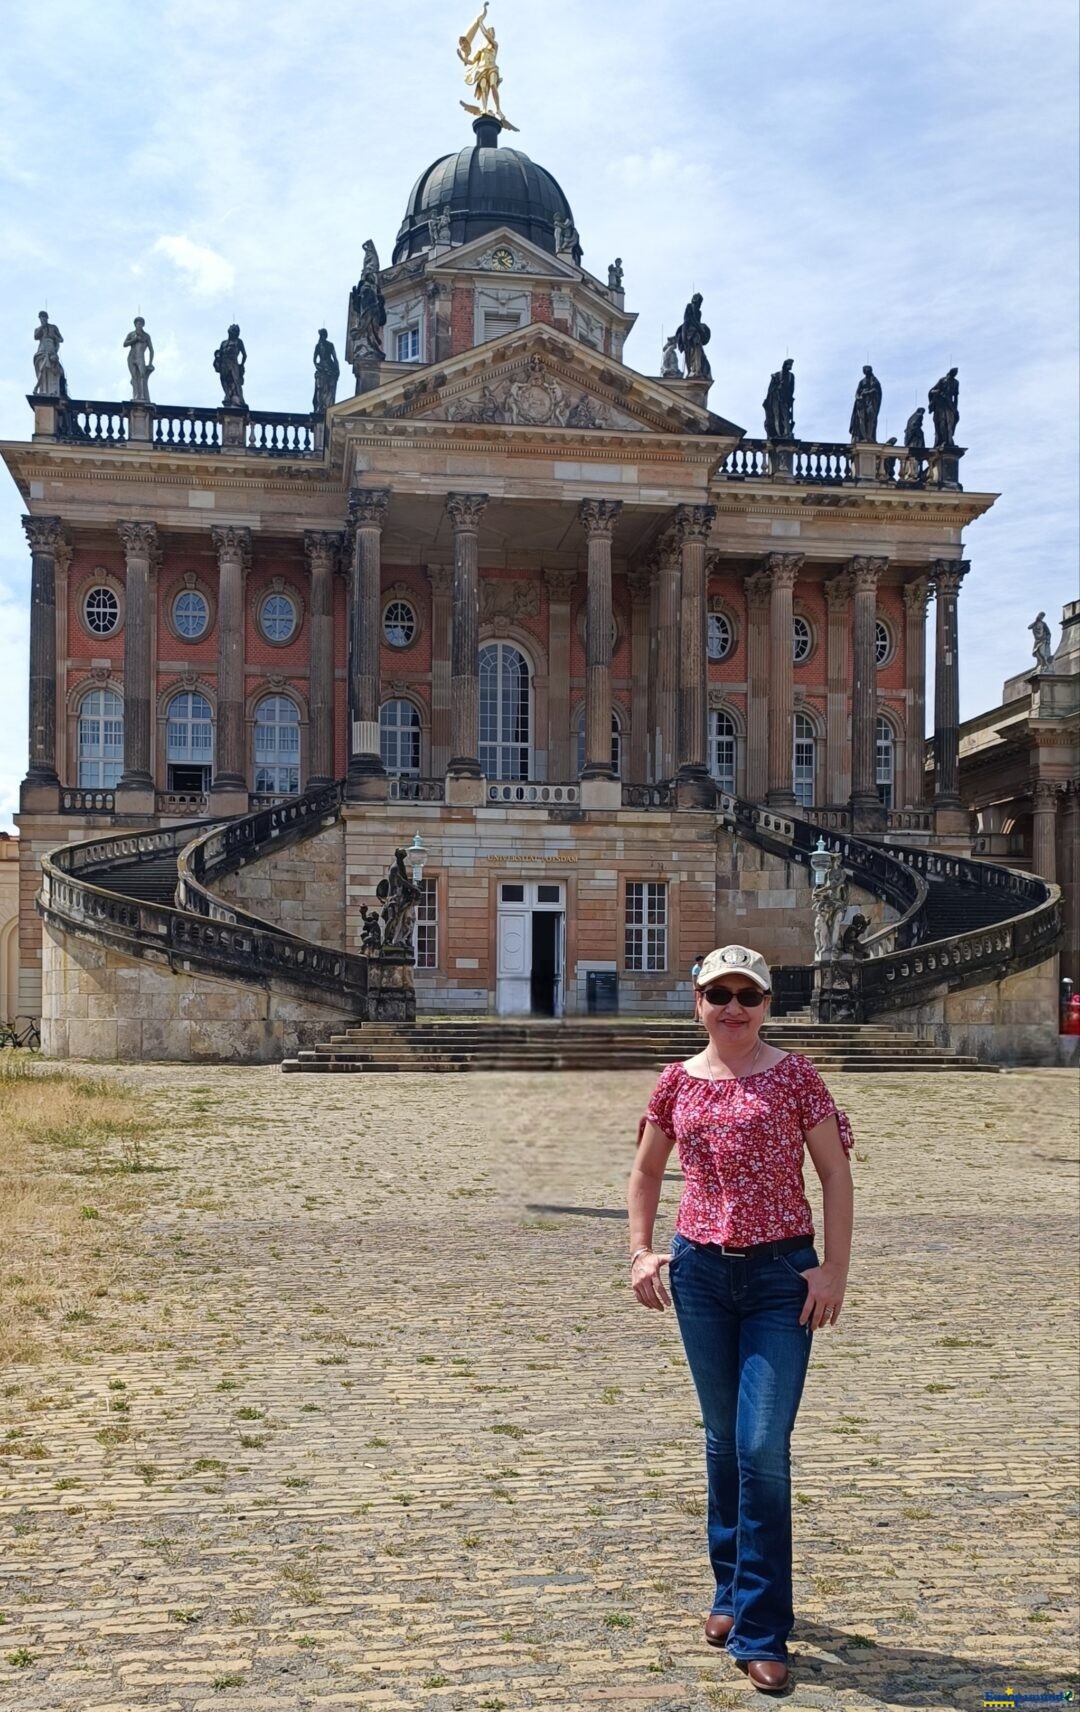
140	539
598	517
322	548
757	587
367	507
949	574
43	532
838	592
639	581
916	596
466	509
783	569
232	542
441	578
693	522
560	583
865	573
1045	793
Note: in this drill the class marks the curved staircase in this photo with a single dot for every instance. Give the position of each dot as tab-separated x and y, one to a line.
960	923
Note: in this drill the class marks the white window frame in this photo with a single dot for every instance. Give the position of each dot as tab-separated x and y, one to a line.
387	626
885	761
505	316
719	618
799	623
100	740
395	731
110	594
265	605
646	927
276	764
882	634
804	765
504	755
409	335
426	930
727	781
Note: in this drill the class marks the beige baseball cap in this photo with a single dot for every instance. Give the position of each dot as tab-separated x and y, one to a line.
735	960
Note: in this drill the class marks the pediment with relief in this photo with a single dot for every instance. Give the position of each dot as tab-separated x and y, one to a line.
532	396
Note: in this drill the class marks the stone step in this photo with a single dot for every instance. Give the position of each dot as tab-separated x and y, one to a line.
850	1065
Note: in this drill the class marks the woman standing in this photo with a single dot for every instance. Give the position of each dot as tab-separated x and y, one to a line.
748	1289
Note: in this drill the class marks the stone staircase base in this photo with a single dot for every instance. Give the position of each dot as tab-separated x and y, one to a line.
431	1046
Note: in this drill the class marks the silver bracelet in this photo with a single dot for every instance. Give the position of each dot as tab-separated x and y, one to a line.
638	1252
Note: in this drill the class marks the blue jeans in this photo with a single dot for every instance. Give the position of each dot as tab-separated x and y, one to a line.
748	1354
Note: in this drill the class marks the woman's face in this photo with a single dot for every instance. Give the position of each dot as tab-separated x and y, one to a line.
734	1023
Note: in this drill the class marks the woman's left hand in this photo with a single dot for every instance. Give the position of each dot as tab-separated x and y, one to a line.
825	1286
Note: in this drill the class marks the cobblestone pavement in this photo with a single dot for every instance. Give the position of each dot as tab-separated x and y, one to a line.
374	1423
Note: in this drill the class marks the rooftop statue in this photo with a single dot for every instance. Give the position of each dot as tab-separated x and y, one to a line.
691	338
369	309
914	438
944	402
615	274
230	362
49	378
327	374
1041	637
864	414
669	362
439	228
482	70
140	361
779	404
566	237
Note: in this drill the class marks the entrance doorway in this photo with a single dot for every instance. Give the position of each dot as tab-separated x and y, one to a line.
531	948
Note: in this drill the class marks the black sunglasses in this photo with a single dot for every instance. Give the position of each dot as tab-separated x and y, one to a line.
748	997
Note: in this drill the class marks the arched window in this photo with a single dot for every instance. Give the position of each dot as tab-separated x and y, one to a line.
885	754
277	747
101	740
722	749
804	759
505	735
189	742
399	739
616	744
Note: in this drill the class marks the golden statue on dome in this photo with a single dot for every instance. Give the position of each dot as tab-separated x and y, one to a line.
482	71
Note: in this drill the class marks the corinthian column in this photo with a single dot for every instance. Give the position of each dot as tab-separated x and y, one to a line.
693	523
598	520
783	569
756	587
640	585
1044	829
916	595
45	535
838	677
321	547
441	579
234	556
866	805
465	511
948	575
560	585
140	545
669	578
367	514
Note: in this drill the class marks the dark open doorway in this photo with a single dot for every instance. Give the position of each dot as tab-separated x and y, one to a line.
545	956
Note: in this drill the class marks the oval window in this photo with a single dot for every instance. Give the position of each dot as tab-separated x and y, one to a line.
399	624
191	614
101	611
277	617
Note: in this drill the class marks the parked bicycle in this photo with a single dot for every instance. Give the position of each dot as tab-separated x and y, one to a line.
21	1032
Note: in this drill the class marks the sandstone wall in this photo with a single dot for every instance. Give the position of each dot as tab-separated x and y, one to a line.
1014	1021
99	1004
300	890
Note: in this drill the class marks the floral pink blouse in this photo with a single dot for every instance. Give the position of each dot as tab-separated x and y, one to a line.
741	1144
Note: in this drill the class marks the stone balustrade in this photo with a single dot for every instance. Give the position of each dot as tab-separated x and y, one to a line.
526	795
189	428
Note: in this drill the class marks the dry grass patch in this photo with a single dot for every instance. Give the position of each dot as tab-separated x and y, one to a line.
71	1149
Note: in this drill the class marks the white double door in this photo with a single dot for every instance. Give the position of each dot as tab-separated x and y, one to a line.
529	979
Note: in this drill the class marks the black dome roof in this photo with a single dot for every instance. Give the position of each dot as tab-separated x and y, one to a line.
482	188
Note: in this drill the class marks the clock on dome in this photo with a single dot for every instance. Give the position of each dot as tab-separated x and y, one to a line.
502	258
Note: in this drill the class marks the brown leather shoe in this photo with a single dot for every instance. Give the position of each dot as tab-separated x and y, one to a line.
718	1626
768	1674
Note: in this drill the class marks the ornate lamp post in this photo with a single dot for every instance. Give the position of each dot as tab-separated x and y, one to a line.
417	858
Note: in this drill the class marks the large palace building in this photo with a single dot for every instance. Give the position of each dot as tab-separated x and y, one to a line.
620	665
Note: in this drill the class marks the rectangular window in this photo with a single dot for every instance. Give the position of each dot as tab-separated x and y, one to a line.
427	926
646	925
408	345
496	325
803	770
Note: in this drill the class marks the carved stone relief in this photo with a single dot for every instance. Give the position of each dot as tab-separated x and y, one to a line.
532	398
510	601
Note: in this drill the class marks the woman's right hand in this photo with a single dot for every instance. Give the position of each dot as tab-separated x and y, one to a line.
646	1282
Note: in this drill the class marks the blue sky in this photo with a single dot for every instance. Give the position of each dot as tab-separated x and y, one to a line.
842	180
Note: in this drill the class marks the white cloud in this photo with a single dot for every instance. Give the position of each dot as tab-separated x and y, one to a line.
207	272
